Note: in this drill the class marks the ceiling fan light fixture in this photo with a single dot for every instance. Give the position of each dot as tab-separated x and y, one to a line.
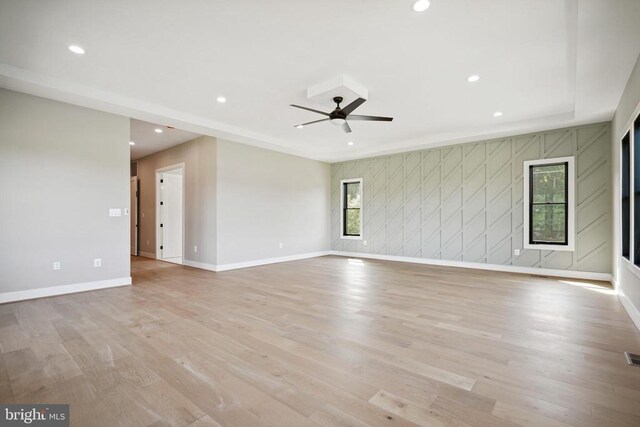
420	5
337	121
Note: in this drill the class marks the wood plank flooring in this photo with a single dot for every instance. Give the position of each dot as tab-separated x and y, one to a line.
326	341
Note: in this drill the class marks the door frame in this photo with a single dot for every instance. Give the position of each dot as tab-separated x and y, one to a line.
133	210
157	205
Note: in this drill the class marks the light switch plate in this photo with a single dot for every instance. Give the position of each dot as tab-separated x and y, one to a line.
115	212
126	211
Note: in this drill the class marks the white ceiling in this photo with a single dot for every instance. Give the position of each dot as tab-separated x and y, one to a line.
544	63
147	141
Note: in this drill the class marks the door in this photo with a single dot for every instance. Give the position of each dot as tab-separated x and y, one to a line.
134	215
171	215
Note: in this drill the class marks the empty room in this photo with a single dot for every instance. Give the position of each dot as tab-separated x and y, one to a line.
320	213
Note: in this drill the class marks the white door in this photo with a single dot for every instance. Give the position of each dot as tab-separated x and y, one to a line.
134	215
171	215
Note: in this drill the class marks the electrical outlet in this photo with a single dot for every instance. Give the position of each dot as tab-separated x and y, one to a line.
516	252
97	262
281	245
364	242
195	249
57	266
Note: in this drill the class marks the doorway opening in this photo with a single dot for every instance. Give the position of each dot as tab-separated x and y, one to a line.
170	213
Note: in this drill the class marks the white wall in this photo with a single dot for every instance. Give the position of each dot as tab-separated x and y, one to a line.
62	168
266	198
626	276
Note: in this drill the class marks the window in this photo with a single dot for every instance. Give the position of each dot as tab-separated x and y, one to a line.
626	194
351	203
549	204
636	192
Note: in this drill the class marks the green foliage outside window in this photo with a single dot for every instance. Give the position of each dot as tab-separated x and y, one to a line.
352	208
549	203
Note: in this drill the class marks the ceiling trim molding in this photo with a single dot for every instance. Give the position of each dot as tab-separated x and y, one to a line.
443	140
32	83
21	80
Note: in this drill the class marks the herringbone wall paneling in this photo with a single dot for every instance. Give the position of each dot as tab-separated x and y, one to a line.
464	202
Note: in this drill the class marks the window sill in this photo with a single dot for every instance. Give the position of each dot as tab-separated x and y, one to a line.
351	237
565	248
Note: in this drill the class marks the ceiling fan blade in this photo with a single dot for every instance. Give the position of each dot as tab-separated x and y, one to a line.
346	128
310	123
355	104
310	109
371	118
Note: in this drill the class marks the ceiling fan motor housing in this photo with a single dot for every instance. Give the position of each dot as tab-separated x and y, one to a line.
337	117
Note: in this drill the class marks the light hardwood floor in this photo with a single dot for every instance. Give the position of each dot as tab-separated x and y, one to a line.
326	341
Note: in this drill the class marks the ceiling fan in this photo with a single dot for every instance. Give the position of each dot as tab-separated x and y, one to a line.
339	116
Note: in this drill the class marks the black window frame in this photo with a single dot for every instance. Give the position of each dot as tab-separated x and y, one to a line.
346	208
532	204
635	244
625	196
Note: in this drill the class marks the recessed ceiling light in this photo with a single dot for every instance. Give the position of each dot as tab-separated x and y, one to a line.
350	143
497	114
76	49
132	143
157	130
420	5
473	78
221	99
299	126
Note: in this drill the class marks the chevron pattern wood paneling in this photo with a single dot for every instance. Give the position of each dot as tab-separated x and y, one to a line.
465	202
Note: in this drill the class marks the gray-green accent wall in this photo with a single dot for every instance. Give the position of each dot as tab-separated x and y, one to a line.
465	202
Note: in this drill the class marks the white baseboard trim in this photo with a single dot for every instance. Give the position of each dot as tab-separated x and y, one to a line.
147	254
253	263
631	309
265	261
201	265
63	289
571	274
172	260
